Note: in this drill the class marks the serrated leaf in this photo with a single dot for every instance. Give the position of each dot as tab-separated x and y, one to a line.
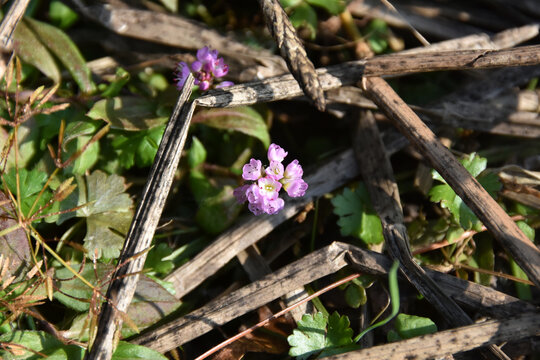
315	335
334	7
356	216
409	326
243	119
66	51
339	332
129	113
444	194
305	15
308	338
108	212
138	148
32	51
127	351
197	153
38	341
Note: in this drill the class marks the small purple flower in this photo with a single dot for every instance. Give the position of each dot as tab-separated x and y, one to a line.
293	170
263	193
253	170
205	69
275	170
240	193
181	74
269	188
295	187
276	153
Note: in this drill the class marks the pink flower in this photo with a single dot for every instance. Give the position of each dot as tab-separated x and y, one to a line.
252	170
276	153
275	170
263	193
181	74
269	188
295	187
205	69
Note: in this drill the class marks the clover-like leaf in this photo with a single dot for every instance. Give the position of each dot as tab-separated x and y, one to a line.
356	215
444	194
107	209
318	335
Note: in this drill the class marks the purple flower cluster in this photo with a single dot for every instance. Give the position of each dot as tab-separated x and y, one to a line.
263	193
206	68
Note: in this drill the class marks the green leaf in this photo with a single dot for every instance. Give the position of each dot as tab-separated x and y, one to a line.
130	113
313	337
155	262
30	184
523	290
448	198
121	79
86	159
151	302
289	3
32	51
197	154
66	51
485	259
356	216
243	119
61	15
339	332
309	337
108	212
355	296
334	7
127	351
39	341
218	212
305	15
171	5
409	326
137	148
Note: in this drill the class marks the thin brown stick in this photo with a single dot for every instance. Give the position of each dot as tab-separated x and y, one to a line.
322	262
382	187
10	21
143	226
293	51
332	77
275	316
452	341
473	194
